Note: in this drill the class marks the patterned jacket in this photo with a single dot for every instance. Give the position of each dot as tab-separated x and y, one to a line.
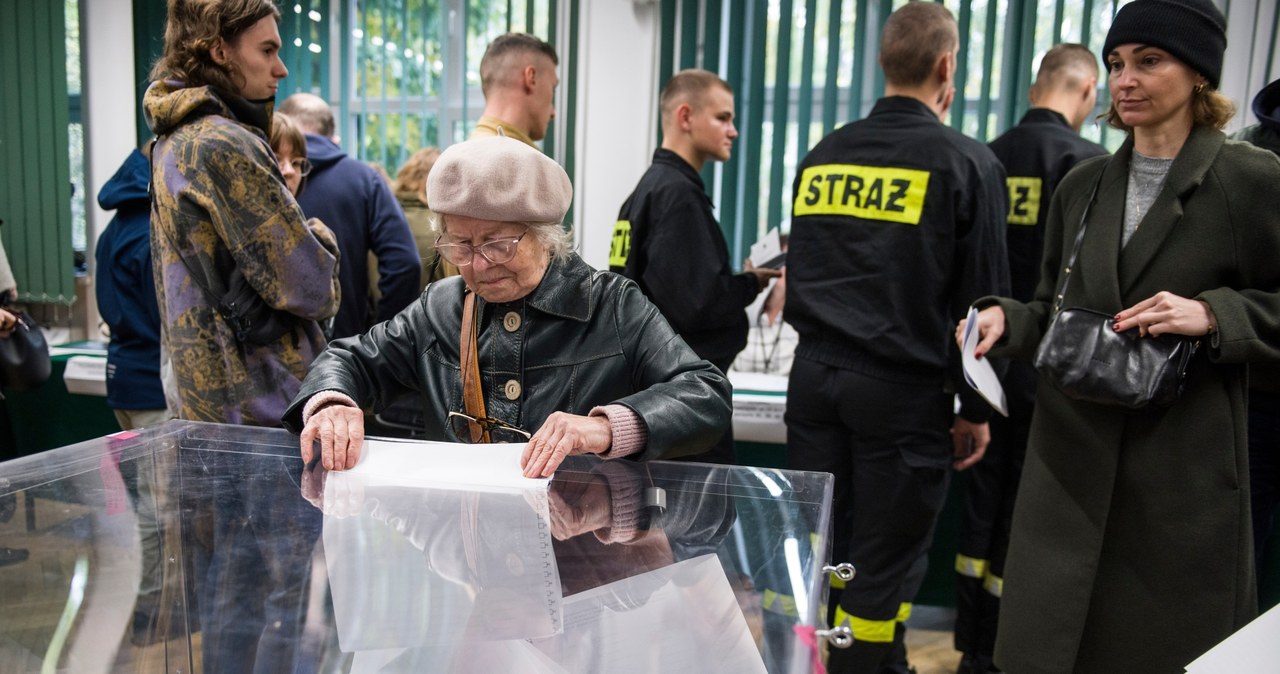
220	202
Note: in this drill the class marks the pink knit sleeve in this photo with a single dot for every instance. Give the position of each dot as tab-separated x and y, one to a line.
630	435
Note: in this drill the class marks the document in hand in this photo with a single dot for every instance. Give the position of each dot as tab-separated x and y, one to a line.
978	373
767	252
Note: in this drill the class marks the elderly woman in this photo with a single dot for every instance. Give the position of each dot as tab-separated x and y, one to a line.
573	359
1130	546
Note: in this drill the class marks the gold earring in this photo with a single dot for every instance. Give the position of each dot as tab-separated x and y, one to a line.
1199	88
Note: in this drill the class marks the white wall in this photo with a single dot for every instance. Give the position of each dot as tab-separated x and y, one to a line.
109	108
617	115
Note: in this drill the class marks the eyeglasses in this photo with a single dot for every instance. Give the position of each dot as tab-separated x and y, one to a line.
469	429
497	251
302	166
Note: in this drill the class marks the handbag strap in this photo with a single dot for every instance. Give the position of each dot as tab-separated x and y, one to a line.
1075	248
472	396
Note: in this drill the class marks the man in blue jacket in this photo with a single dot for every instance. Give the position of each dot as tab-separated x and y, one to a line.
357	204
126	291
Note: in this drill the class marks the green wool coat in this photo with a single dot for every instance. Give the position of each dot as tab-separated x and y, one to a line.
1131	548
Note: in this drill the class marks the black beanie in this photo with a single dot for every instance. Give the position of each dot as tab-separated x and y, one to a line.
1194	31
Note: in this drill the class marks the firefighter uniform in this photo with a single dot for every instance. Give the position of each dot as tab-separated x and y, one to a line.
897	225
668	241
1036	154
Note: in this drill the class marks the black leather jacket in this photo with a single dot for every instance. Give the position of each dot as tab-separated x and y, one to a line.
582	338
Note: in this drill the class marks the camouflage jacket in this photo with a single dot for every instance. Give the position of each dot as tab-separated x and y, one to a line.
220	202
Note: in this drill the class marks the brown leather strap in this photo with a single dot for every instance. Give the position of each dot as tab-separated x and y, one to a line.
472	395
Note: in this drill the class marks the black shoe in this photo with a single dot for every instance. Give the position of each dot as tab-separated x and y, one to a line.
13	555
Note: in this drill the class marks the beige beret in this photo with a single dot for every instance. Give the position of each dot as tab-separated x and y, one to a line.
501	179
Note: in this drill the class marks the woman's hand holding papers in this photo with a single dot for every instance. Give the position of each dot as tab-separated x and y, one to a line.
340	431
562	435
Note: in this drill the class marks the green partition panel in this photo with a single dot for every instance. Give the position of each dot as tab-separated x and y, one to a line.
35	172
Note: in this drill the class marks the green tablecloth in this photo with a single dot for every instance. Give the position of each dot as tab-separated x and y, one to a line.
51	417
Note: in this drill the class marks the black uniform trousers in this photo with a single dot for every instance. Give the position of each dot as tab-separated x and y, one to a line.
885	437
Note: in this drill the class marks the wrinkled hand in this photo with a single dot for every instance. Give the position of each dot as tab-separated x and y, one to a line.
340	430
579	507
970	441
990	329
1166	313
564	434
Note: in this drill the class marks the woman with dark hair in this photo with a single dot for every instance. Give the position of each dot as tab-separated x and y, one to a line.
1130	549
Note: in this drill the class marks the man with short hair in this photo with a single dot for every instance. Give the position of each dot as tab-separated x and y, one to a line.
1036	153
518	78
667	238
897	225
357	204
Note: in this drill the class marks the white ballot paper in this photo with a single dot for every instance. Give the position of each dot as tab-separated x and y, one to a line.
978	373
1252	650
767	252
434	549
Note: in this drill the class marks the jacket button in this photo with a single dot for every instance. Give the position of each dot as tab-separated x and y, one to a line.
511	321
512	389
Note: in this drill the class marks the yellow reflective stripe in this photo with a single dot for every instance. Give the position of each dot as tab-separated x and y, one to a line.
994	585
837	583
1024	200
868	192
904	612
620	248
873	631
971	566
775	602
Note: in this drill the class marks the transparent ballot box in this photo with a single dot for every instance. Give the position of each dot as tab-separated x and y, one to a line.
208	548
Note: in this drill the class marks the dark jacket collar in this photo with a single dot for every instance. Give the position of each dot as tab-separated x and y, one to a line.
903	104
565	289
668	158
1045	116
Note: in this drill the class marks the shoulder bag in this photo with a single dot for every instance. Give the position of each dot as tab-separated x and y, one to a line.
1083	356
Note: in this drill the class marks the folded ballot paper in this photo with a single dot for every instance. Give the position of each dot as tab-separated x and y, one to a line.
1252	650
978	373
433	548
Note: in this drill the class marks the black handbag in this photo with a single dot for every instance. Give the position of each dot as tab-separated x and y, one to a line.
1083	356
24	356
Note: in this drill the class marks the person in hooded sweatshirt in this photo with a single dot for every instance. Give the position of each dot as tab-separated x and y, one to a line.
1264	379
355	200
126	293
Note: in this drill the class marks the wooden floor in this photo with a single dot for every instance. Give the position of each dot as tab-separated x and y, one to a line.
930	645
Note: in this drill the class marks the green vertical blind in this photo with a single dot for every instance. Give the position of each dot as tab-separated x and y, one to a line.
35	173
800	68
409	73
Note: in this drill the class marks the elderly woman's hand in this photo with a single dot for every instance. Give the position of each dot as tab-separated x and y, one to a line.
1164	313
564	434
340	429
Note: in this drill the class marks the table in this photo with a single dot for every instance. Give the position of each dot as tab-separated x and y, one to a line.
204	547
